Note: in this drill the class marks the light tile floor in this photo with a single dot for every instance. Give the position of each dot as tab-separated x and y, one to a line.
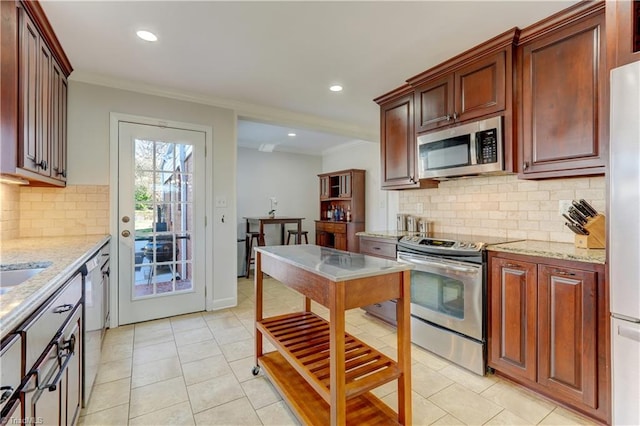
196	369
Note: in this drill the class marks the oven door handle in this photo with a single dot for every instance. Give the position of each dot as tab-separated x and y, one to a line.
441	265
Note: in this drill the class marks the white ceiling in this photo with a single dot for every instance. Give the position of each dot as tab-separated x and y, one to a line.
274	61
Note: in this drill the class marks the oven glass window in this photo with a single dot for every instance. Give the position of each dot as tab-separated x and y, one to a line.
453	152
438	293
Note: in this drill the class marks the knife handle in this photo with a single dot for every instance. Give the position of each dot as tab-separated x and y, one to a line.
589	207
580	208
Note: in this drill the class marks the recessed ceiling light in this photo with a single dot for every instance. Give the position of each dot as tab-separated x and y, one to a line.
147	35
291	134
336	88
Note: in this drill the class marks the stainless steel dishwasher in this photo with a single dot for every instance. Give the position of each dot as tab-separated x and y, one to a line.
95	315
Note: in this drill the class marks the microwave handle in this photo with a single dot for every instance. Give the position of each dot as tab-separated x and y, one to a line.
474	148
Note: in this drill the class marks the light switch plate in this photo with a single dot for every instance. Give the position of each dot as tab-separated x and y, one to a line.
221	201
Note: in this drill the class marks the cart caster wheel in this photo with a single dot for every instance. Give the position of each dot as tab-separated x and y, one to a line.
255	370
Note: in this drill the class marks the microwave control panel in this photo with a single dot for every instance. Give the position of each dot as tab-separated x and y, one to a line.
487	144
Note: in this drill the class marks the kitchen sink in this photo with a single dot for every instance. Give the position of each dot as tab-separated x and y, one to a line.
13	275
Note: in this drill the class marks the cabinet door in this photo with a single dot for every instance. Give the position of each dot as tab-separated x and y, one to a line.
623	34
564	101
345	186
480	88
434	104
340	241
29	96
324	187
43	115
58	139
512	332
567	327
397	144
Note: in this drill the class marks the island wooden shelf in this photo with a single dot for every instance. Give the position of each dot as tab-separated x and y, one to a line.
325	374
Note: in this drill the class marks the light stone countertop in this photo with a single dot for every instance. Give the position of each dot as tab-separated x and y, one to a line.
554	250
66	255
335	265
390	235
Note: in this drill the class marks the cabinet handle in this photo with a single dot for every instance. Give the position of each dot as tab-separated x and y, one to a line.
525	165
512	265
565	273
7	391
69	345
455	115
63	173
62	308
42	165
376	248
411	179
448	117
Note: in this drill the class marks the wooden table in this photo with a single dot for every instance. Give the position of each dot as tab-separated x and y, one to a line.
277	220
323	373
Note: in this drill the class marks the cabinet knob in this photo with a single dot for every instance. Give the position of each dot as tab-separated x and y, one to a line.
42	165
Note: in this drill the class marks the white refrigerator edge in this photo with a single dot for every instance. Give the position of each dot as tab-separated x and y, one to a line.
624	243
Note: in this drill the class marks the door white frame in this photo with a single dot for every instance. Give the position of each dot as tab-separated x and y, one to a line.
114	119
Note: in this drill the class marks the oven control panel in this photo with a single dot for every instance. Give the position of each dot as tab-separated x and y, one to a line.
418	242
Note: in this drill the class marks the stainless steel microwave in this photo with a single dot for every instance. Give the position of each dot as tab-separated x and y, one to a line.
466	150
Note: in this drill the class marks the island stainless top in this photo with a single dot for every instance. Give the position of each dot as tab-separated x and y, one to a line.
335	265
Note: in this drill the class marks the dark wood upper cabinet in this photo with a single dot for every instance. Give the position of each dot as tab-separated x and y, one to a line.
548	329
473	91
473	84
398	166
435	105
480	88
564	94
623	41
398	144
34	96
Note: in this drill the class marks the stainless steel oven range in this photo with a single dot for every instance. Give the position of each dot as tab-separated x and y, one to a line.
448	296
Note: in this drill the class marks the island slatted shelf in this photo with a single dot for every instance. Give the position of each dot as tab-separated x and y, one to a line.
324	373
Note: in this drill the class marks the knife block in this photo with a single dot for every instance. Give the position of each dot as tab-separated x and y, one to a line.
597	236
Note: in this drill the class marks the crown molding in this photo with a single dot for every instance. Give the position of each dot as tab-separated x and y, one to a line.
245	110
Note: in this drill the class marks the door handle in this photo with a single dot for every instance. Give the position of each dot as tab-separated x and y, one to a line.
125	233
125	219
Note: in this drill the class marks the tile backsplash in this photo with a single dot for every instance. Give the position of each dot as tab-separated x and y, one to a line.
49	212
503	206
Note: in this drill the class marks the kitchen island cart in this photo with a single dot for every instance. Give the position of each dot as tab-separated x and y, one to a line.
325	374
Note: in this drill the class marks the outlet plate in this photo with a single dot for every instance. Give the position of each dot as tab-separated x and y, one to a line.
563	206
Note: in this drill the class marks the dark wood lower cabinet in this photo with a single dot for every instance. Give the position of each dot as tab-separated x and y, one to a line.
549	329
513	320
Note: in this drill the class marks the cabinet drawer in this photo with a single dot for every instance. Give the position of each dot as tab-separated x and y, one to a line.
39	330
376	247
333	227
386	311
11	372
